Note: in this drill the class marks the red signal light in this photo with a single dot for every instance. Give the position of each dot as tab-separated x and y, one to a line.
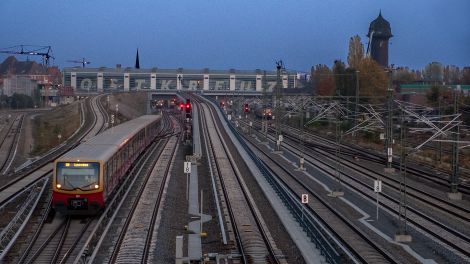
188	106
181	106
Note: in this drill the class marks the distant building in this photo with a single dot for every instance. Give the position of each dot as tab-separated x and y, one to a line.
416	92
379	34
128	79
19	85
66	94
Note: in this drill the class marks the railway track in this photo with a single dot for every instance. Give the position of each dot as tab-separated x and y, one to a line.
15	189
126	228
428	175
9	143
56	241
453	238
131	246
43	165
253	241
342	232
414	190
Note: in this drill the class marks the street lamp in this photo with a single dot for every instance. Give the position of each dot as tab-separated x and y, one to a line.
179	82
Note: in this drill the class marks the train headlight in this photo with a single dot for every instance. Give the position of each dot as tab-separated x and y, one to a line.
97	186
59	186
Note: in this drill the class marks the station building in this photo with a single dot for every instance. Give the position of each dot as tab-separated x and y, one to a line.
84	80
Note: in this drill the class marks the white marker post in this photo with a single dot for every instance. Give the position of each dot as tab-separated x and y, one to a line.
187	170
304	200
112	123
279	142
377	190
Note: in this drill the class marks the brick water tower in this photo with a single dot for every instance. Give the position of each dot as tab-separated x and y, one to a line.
379	34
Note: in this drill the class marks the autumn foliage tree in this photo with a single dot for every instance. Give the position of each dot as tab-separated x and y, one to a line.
323	80
356	52
403	76
373	78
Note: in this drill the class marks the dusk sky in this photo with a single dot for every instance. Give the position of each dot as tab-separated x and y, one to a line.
242	34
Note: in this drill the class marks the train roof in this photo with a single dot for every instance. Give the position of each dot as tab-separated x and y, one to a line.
104	145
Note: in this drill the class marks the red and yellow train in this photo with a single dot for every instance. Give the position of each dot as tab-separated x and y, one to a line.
86	177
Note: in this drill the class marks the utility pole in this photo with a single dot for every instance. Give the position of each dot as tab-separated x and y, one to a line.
357	104
439	142
338	192
277	109
264	123
402	234
454	180
389	126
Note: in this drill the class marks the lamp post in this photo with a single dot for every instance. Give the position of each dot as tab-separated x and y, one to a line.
179	82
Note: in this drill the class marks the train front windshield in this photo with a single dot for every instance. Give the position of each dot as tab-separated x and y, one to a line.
74	175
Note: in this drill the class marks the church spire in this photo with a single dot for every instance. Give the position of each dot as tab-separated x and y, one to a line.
137	64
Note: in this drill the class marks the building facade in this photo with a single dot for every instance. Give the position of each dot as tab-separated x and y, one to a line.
19	85
129	79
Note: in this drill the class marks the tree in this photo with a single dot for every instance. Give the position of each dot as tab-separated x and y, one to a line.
344	79
339	70
356	52
433	95
322	79
403	75
4	101
465	109
373	78
418	75
437	93
21	101
434	72
466	75
452	74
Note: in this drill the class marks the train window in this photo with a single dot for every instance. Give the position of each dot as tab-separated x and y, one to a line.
105	178
110	166
109	171
119	154
83	176
115	164
116	155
